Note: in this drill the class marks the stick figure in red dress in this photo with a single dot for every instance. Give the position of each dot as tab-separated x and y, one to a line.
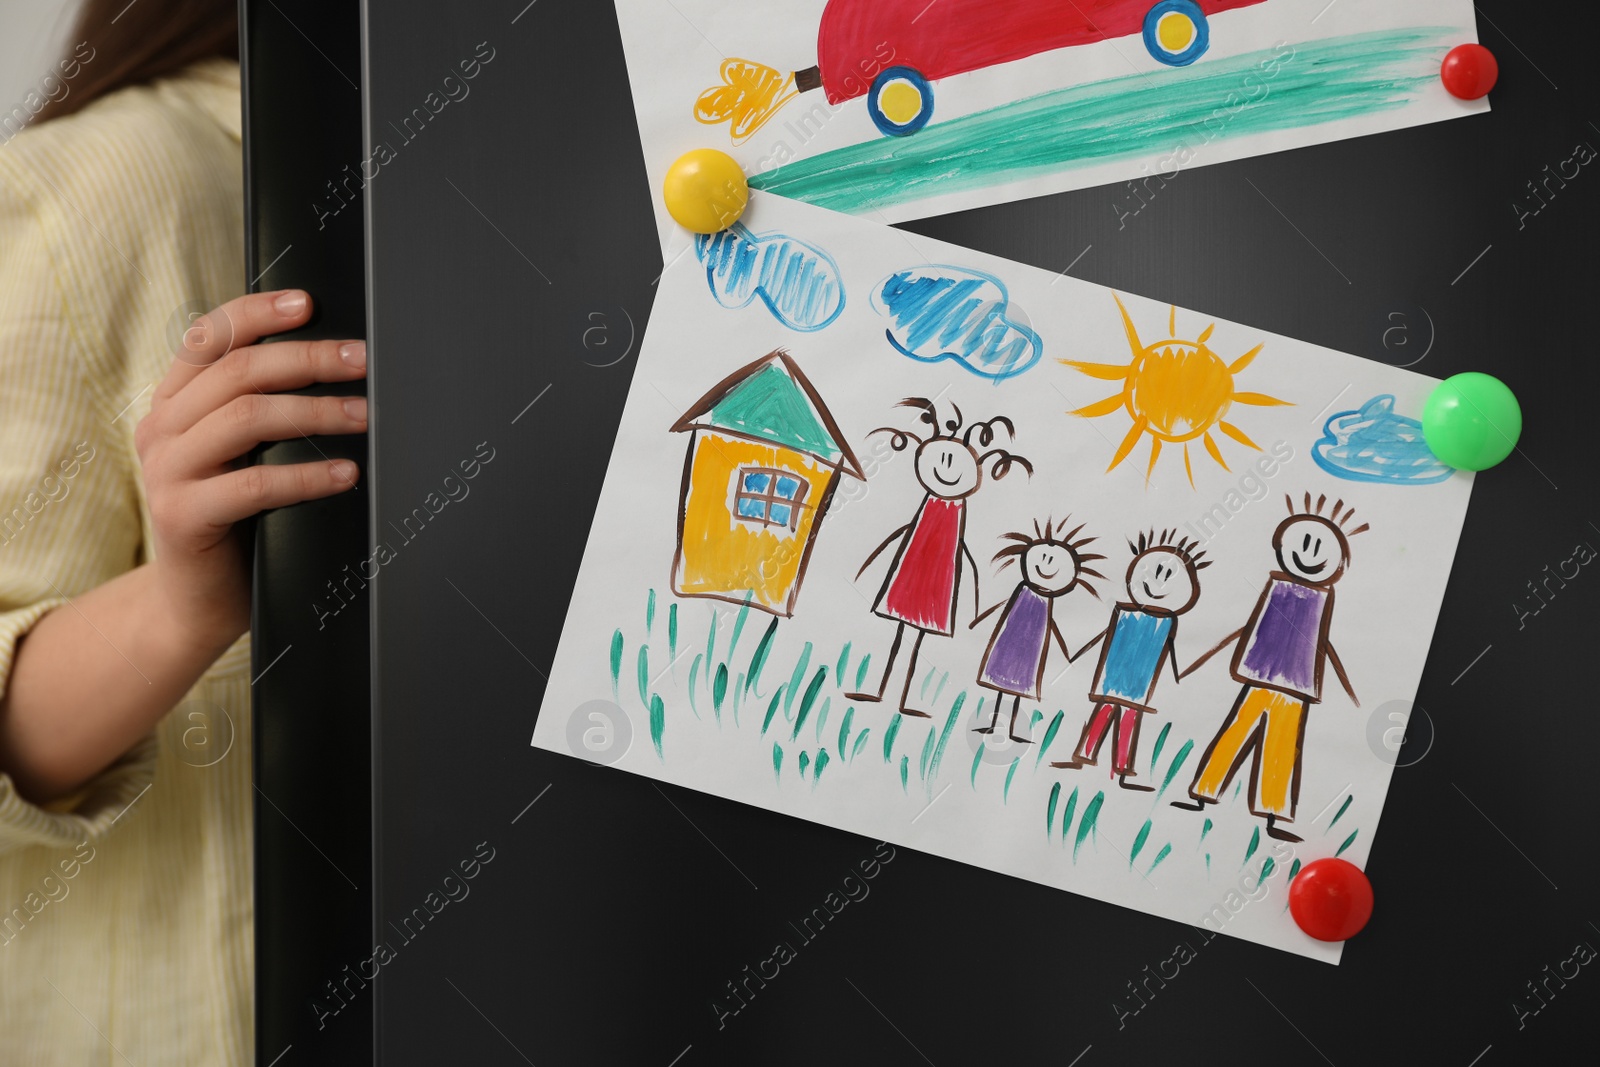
924	581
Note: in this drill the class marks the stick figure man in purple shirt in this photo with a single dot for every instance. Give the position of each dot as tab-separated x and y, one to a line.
1279	660
1051	565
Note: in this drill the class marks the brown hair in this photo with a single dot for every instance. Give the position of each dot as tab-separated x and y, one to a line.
131	44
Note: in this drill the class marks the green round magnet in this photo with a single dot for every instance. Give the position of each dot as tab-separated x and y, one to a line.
1471	421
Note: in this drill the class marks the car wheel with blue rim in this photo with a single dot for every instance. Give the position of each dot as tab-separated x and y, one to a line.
900	101
1176	32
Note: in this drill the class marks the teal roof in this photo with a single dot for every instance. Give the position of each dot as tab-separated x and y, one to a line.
771	405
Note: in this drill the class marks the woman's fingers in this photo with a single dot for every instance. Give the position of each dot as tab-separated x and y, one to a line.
268	368
232	497
246	421
237	324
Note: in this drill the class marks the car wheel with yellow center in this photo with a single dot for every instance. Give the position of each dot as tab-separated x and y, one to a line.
1176	32
900	101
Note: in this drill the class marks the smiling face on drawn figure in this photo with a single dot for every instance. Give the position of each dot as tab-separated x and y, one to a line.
1311	549
1049	567
1163	582
948	468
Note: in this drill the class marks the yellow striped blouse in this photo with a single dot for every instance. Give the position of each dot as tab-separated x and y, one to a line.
125	911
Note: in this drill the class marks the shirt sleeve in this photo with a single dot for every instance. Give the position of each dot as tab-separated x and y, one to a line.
69	501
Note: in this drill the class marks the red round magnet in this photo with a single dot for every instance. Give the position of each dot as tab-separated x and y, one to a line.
1469	71
1331	899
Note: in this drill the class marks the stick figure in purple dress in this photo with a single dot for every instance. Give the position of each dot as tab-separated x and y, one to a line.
1052	565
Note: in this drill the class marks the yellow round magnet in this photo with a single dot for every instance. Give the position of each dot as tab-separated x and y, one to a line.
705	191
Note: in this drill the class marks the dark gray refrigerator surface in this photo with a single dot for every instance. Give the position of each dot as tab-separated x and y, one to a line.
511	261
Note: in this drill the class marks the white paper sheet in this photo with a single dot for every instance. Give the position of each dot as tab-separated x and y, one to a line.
1276	74
832	292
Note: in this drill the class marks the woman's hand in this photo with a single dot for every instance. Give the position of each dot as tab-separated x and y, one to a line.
221	398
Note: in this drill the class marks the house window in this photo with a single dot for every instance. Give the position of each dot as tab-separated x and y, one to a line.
769	497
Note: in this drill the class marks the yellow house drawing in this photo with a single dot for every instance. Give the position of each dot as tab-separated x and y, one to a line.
763	461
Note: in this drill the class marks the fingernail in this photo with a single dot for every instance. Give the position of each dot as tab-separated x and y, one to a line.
354	353
356	408
292	302
342	470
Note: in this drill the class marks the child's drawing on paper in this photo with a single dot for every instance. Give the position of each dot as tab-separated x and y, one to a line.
923	585
893	51
1175	391
1163	583
1278	657
901	109
763	461
1058	711
1050	565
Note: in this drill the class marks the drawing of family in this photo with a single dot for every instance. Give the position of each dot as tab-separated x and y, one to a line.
1279	653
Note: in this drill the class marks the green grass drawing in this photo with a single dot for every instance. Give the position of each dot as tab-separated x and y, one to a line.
1091	818
719	690
795	678
1175	767
772	709
738	627
616	662
1342	809
1049	737
1138	843
644	675
944	737
890	734
1066	816
809	699
861	740
672	633
1161	743
725	676
758	659
861	671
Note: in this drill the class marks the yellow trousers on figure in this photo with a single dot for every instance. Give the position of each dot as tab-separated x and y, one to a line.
1269	723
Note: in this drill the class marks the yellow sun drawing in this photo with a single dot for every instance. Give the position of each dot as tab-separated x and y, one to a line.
1176	391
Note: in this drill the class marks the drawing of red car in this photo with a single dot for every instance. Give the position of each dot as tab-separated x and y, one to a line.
891	51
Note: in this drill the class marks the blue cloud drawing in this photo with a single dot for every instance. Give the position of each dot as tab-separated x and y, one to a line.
1376	445
958	314
799	283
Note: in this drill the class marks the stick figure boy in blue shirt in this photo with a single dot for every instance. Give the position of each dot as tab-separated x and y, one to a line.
1163	583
